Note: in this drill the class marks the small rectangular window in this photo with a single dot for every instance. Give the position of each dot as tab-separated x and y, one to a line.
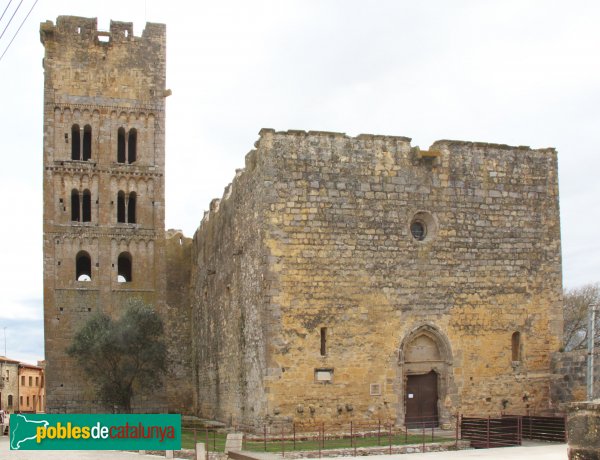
22	381
323	341
30	382
375	389
323	375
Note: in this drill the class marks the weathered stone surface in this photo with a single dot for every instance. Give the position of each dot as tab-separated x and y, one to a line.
315	233
583	431
570	376
92	89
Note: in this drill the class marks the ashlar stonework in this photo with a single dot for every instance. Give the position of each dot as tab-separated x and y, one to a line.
338	278
337	271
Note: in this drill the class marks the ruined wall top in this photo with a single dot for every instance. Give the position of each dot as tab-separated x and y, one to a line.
340	147
81	61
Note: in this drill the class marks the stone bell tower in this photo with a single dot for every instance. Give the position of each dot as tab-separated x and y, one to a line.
104	164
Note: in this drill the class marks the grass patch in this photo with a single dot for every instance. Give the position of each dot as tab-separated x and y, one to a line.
216	442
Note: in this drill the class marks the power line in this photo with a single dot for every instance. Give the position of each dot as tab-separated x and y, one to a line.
4	12
16	33
11	18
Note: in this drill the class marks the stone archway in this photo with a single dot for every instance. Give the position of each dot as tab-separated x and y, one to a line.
425	377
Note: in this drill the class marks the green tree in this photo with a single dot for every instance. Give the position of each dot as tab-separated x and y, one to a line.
122	356
576	306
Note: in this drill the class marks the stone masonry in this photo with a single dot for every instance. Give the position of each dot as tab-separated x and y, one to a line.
104	238
334	280
335	268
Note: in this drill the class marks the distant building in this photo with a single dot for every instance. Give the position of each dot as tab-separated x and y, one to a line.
32	393
9	386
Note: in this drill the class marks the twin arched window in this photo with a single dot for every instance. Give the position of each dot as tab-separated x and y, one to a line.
81	206
81	146
126	207
126	146
83	267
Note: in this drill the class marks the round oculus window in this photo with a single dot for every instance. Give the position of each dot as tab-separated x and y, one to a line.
418	230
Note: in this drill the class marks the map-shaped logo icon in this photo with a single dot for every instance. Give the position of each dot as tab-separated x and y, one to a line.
22	430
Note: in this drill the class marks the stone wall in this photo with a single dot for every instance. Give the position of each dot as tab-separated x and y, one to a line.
97	85
178	323
329	220
230	292
583	430
570	372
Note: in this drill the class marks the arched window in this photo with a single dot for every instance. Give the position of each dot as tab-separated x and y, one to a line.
132	146
75	143
87	142
131	208
83	266
10	400
121	145
86	211
121	207
516	346
124	268
75	215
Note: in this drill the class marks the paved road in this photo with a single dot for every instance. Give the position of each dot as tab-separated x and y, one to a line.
537	452
7	454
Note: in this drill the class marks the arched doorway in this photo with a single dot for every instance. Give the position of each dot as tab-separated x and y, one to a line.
425	361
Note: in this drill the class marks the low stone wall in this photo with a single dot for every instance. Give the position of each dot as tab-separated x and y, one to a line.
583	428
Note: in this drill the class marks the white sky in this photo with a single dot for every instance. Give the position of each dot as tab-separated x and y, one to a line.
515	72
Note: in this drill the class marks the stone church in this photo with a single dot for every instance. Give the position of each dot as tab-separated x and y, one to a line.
338	278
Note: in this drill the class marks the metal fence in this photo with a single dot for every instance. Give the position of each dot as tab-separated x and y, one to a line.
510	430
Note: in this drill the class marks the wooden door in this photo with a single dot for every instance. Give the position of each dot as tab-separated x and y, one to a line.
421	400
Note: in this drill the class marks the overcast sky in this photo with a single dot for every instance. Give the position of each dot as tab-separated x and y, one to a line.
515	72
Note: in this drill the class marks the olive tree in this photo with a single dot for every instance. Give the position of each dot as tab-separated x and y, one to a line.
124	355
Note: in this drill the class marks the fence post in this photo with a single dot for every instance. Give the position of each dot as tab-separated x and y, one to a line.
195	442
351	440
423	435
207	444
457	423
215	441
378	432
390	438
265	436
282	442
488	433
294	433
319	441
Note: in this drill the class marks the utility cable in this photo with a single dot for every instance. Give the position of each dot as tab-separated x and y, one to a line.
4	12
15	35
11	18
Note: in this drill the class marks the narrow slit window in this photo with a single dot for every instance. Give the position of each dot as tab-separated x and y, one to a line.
87	142
121	145
132	146
131	208
75	216
86	209
124	268
516	346
83	266
75	143
323	341
121	207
